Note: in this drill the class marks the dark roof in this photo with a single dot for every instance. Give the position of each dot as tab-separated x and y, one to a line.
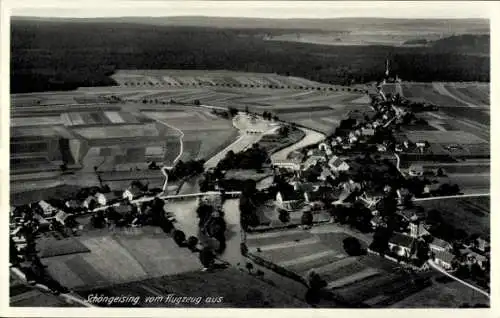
291	195
336	163
401	240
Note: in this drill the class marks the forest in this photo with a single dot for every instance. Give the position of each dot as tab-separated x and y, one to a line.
64	55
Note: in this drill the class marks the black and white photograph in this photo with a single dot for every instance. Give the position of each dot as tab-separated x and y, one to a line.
219	154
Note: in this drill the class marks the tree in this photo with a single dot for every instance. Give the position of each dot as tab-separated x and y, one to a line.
179	238
307	218
380	241
207	257
422	252
249	267
352	246
284	216
191	243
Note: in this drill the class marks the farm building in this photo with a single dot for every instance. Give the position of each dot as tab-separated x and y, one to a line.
336	164
73	204
48	210
444	259
87	203
311	161
290	200
416	170
439	245
132	192
402	244
482	244
106	198
367	131
317	155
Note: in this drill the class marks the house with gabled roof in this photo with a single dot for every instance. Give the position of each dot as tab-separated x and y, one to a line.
444	259
132	192
290	200
107	198
336	164
402	244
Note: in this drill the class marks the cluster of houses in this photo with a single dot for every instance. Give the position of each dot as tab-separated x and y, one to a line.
330	166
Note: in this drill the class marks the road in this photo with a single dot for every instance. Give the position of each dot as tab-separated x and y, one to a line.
441	270
453	197
68	297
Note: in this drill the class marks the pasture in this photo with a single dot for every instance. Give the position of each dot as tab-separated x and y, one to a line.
469	214
448	294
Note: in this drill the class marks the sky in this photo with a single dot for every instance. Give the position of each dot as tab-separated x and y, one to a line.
252	9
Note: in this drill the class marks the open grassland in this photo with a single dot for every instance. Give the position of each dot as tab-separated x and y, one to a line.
470	214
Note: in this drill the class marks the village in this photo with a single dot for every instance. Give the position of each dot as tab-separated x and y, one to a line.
353	178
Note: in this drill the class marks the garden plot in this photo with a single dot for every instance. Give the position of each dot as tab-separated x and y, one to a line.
445	137
425	92
35	121
469	214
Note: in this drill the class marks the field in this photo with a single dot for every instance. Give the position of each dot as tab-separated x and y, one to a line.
176	78
443	295
314	105
129	252
197	284
470	214
362	279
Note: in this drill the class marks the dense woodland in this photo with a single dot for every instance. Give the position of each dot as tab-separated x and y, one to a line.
64	55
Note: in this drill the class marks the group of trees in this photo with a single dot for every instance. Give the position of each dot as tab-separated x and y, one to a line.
212	224
269	116
357	216
252	158
71	64
248	206
184	169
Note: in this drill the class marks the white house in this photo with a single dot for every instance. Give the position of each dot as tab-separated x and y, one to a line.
106	198
325	148
132	193
439	245
401	244
367	131
416	170
336	164
443	259
48	209
86	203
